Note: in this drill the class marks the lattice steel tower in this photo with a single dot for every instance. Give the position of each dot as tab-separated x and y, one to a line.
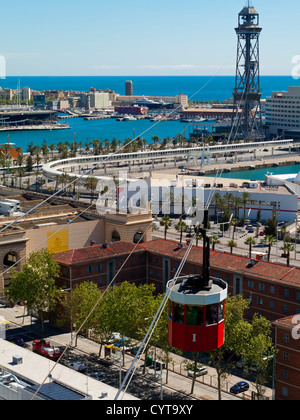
247	92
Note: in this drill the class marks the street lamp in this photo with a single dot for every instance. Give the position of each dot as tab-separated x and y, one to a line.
273	374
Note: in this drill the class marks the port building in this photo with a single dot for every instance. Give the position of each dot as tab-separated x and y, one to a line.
282	111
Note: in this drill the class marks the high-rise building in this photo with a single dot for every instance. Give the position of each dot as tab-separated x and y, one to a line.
247	92
128	88
283	113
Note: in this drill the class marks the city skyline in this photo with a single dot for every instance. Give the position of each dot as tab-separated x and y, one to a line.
133	38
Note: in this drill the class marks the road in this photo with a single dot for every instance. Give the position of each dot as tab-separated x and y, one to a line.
144	386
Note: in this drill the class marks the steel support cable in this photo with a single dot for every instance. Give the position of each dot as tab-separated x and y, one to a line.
111	154
71	183
93	309
158	313
220	170
97	166
155	319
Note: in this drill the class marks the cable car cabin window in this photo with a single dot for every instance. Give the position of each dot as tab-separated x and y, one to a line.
178	313
194	316
211	314
170	309
221	311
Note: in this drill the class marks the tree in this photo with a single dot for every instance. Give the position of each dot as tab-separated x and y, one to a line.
288	247
181	227
232	244
214	240
35	283
250	341
166	223
245	200
270	241
234	223
250	241
271	227
78	304
91	184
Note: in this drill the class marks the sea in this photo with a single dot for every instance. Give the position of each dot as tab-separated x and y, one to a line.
197	88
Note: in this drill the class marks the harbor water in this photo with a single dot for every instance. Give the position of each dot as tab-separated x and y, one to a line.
197	88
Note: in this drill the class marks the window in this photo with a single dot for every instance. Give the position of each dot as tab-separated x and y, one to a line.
272	304
211	314
194	315
250	284
100	281
178	313
261	287
115	237
99	267
260	301
285	308
286	338
90	269
286	292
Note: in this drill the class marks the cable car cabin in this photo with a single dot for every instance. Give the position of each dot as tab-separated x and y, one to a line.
196	313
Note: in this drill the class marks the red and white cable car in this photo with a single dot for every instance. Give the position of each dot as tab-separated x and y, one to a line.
197	307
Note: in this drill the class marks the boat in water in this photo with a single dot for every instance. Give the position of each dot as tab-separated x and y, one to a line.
149	103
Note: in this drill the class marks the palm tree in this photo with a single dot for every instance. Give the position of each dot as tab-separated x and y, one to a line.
234	223
270	240
198	237
91	184
237	202
245	200
250	241
214	240
181	227
228	197
232	244
288	247
216	200
167	223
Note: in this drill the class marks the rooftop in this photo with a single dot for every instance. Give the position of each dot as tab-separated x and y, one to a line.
219	260
95	252
64	382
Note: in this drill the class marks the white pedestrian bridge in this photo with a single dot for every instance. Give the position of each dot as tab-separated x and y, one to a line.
84	166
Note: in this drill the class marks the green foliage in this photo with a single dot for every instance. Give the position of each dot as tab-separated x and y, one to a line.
35	283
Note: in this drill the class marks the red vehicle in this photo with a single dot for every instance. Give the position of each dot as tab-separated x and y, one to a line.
45	349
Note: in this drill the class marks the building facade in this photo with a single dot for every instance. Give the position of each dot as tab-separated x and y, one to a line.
287	358
273	290
283	112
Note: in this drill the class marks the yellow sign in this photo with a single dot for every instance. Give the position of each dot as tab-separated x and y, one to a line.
58	242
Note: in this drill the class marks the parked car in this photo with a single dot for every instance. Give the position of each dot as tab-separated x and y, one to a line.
262	233
79	366
250	228
200	371
18	341
239	387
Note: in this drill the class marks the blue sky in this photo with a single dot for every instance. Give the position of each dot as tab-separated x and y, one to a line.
130	37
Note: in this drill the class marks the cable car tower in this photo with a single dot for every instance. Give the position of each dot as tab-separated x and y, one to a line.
247	92
197	306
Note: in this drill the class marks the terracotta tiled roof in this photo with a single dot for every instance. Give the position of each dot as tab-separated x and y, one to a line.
286	322
95	252
219	260
228	262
